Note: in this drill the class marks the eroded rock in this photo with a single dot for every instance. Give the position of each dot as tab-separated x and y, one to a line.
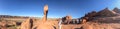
3	25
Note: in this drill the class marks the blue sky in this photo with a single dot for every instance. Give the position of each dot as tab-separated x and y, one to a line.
57	8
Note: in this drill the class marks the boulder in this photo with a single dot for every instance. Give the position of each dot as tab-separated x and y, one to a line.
67	19
27	24
3	25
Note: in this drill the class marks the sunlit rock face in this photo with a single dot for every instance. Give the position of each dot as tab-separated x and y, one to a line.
67	19
45	24
46	8
84	21
116	10
45	13
27	24
3	25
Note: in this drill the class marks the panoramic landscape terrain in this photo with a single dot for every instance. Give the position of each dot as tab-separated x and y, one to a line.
61	14
104	19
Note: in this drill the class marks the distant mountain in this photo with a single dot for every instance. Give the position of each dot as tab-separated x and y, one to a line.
105	13
91	14
9	16
116	10
105	16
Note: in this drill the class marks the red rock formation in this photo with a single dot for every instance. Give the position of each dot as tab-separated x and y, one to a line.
105	13
45	13
45	24
116	10
67	19
84	21
91	14
27	24
3	25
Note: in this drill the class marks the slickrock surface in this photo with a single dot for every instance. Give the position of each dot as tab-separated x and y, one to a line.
3	25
